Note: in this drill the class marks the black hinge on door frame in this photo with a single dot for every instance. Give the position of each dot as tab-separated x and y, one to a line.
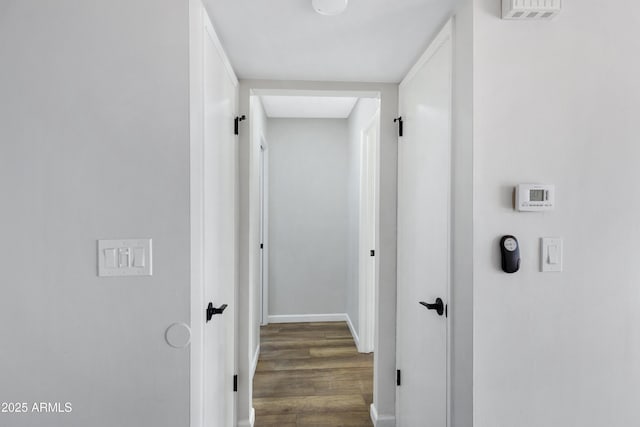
398	377
400	127
236	123
212	311
261	245
372	252
235	383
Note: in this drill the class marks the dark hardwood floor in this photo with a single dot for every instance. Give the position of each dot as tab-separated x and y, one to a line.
310	374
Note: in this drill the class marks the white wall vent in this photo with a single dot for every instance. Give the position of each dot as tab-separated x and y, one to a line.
530	9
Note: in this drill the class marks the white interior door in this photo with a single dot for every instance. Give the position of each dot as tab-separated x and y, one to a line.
264	303
219	234
424	210
367	273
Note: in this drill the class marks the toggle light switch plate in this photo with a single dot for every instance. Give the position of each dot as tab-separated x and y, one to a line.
124	257
551	254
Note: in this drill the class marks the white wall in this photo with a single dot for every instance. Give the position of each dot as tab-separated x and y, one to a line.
360	118
384	359
94	131
308	214
557	102
461	304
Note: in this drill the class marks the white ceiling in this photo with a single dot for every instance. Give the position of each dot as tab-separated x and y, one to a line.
372	41
308	107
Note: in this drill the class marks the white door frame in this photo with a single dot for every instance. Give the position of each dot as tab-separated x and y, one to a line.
264	273
264	229
367	233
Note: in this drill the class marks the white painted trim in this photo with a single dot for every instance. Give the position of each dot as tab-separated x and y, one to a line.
264	290
451	28
354	334
446	33
308	318
381	420
216	42
367	291
251	421
254	362
317	93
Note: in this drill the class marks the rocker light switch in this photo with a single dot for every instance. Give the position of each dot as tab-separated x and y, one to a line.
138	257
124	257
553	257
551	254
110	258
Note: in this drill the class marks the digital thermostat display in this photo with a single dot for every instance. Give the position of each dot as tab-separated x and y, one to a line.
535	197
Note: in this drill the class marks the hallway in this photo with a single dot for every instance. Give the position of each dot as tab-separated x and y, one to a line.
310	374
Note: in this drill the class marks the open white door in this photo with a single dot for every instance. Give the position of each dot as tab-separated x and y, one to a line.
367	235
264	287
424	210
220	171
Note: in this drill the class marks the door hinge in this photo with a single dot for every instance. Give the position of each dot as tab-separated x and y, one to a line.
236	123
261	245
372	252
235	383
212	311
400	127
398	377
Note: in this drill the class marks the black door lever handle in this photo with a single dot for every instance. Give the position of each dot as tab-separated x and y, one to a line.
211	310
438	306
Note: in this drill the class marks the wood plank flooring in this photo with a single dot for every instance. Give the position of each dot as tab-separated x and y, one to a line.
311	375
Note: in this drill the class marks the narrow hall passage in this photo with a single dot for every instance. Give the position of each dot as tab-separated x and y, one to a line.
311	374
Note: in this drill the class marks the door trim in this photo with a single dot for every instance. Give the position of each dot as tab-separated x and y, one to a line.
264	226
367	291
444	35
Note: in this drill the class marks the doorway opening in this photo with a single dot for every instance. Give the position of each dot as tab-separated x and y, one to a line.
315	175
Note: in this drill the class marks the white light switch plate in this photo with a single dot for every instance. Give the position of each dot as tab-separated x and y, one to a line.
124	257
551	254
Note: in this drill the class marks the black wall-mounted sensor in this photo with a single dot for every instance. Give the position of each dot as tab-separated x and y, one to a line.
510	250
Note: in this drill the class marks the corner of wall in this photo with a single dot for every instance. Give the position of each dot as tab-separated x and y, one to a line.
248	422
381	420
354	333
254	362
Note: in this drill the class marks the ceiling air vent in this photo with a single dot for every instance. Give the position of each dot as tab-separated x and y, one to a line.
530	9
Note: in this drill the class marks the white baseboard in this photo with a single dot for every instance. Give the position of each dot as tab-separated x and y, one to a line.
307	318
381	420
354	334
250	422
254	362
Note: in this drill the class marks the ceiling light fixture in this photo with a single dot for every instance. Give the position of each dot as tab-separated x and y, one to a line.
329	7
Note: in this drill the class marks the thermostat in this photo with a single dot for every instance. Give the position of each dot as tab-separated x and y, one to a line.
535	197
530	9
